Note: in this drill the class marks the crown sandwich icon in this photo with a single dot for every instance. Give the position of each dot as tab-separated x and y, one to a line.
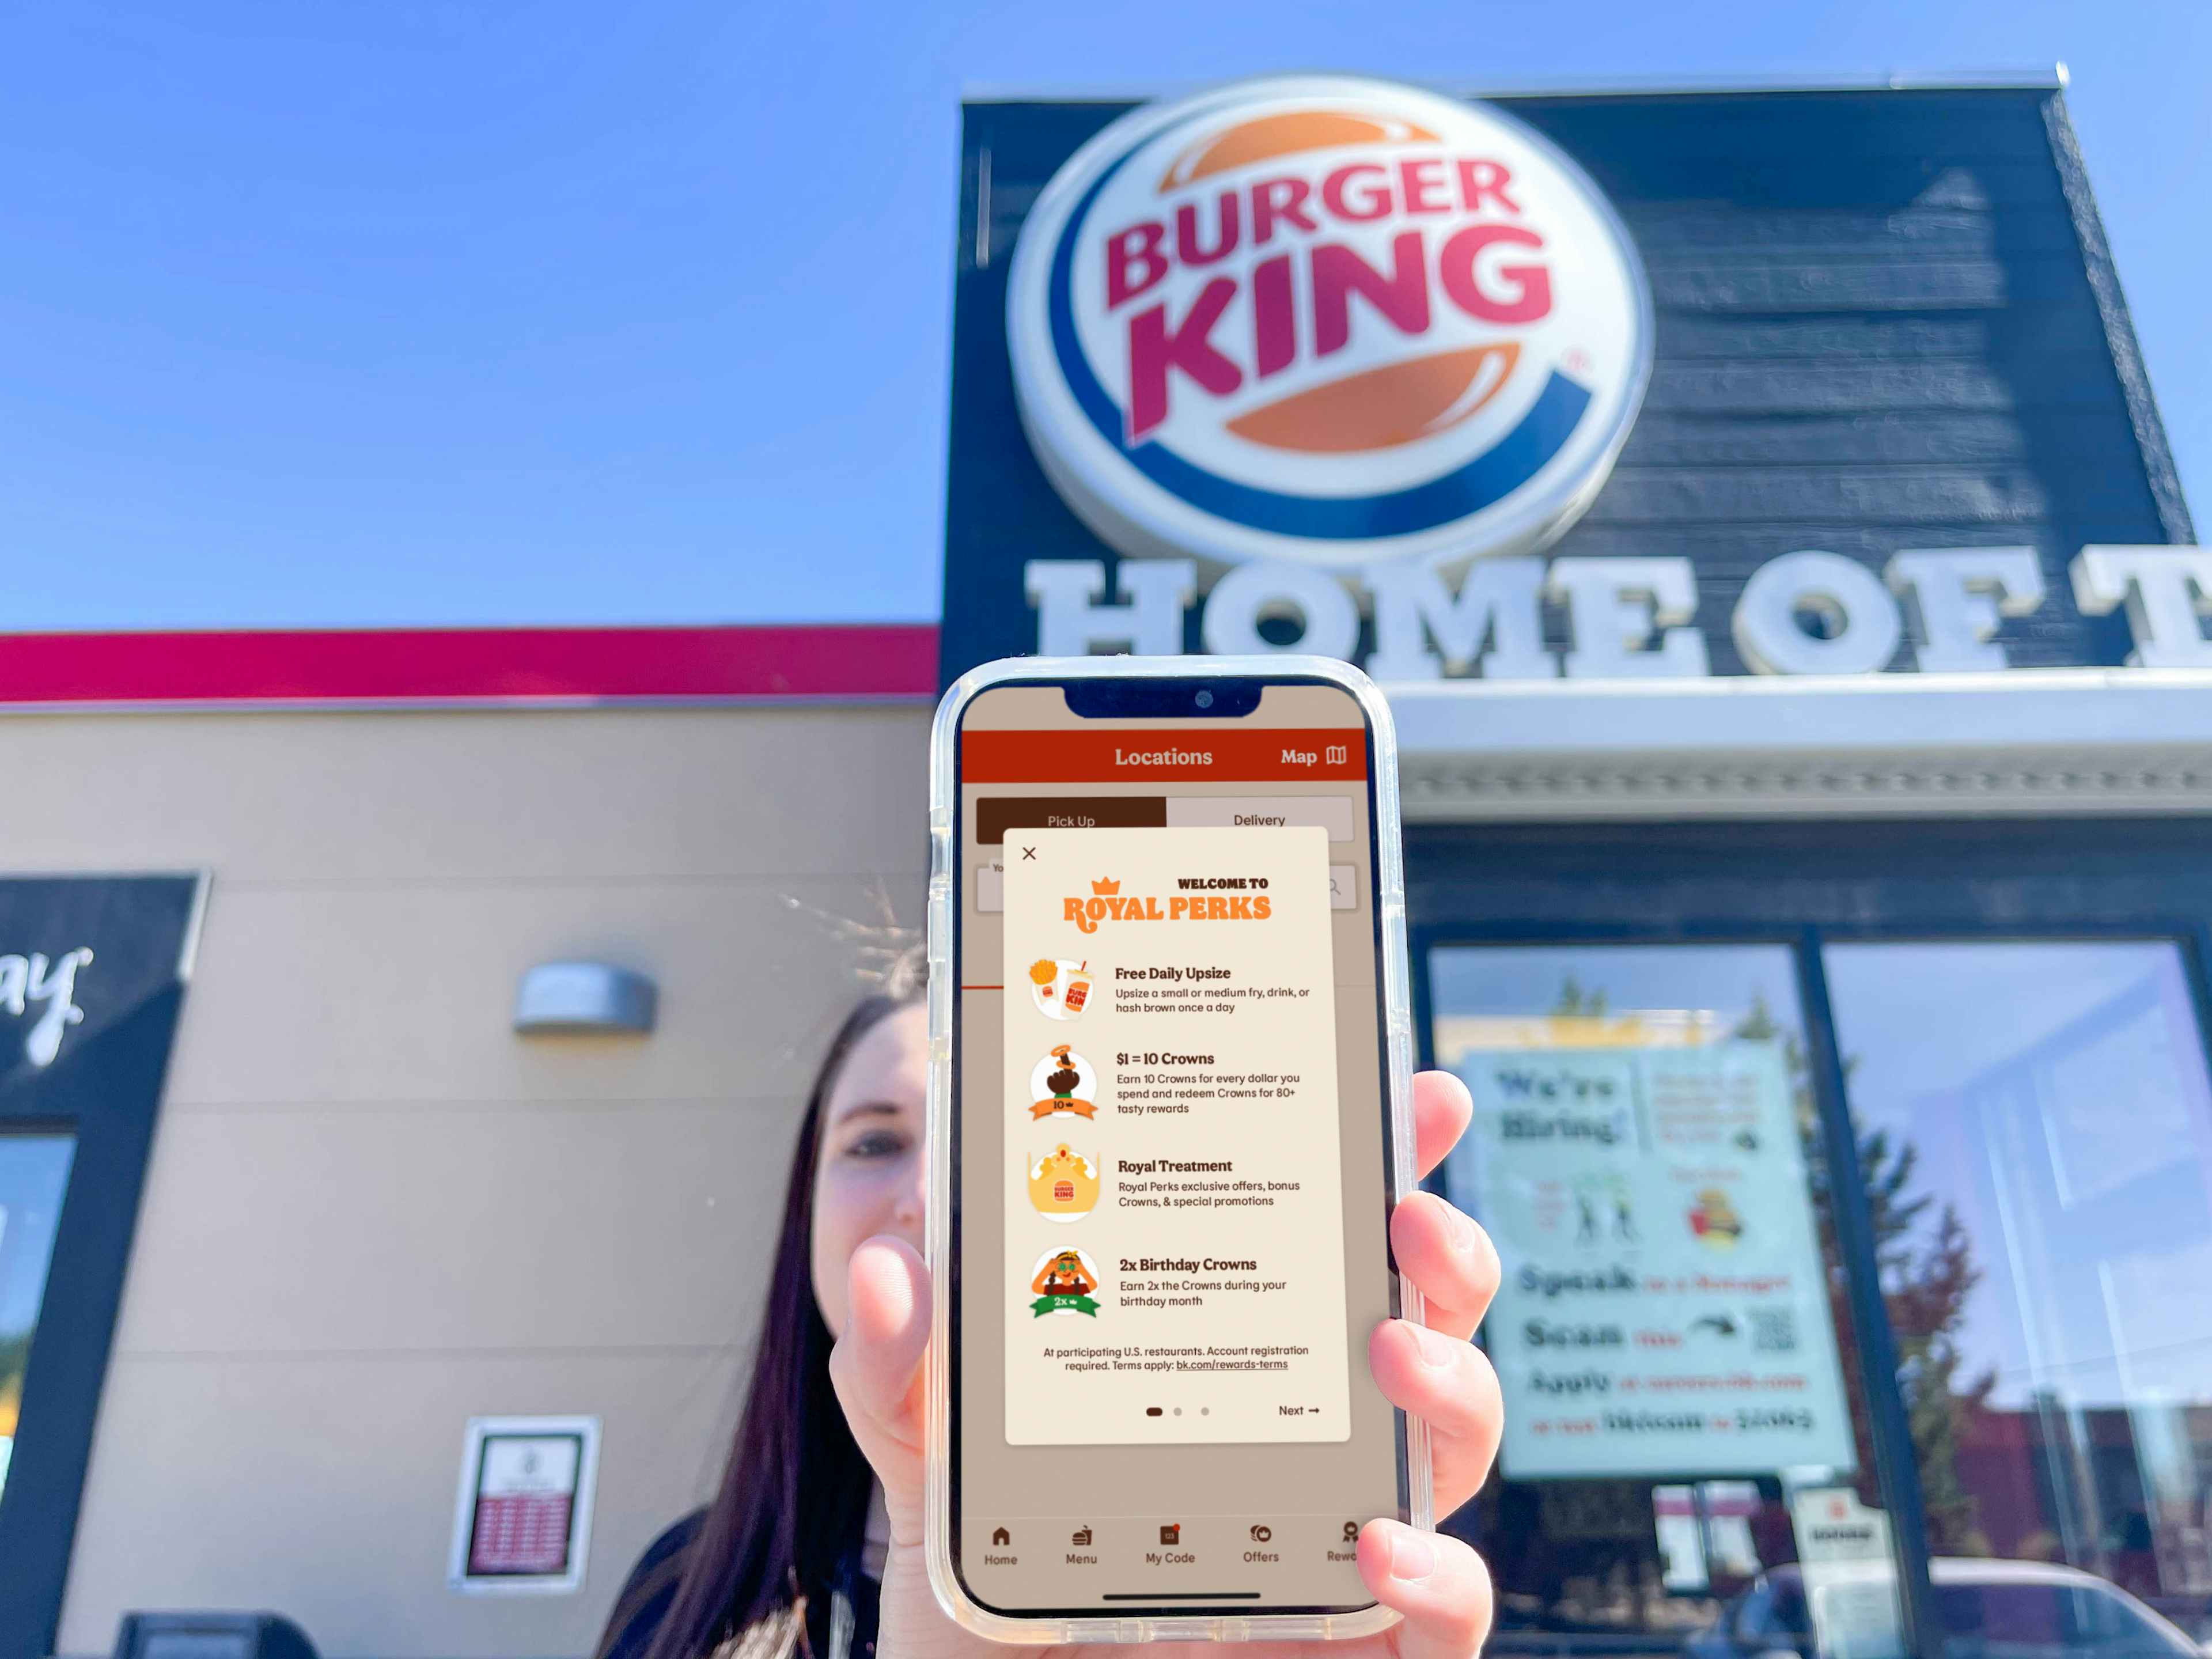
1064	1184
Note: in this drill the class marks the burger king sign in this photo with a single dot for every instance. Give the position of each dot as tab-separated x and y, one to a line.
1329	323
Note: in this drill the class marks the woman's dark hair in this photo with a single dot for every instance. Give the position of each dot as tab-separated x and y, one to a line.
793	1501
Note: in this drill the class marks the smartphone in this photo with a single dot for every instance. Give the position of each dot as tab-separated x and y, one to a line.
1170	1115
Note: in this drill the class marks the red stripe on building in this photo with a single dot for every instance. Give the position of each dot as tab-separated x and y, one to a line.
893	660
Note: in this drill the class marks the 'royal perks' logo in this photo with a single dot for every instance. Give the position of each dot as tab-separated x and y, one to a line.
1328	321
1204	898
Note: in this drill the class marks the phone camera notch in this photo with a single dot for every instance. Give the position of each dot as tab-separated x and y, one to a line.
1205	699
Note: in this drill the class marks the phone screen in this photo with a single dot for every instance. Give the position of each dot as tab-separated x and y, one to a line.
1170	1178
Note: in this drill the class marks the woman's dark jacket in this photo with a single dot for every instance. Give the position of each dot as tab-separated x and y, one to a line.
646	1597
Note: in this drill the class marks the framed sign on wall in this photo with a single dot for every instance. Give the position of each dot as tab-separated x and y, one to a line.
522	1519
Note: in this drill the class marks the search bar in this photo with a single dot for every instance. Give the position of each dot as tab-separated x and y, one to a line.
1343	887
1332	812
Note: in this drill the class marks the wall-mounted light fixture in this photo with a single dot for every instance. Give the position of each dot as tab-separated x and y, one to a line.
570	997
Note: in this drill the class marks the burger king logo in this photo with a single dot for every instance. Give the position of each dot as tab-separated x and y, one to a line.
1328	321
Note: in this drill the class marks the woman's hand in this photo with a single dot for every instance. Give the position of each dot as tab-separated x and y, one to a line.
1436	1583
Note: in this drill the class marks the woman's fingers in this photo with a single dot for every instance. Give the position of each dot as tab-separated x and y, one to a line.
1432	1371
876	1368
1437	1584
1449	1259
1449	1385
1442	1107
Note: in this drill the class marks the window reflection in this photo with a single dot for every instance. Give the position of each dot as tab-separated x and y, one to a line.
2040	1136
1647	1154
1987	1612
33	1172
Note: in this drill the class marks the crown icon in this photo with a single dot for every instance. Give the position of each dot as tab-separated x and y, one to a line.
1064	1184
1104	887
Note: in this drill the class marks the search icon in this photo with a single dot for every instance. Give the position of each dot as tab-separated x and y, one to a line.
1343	887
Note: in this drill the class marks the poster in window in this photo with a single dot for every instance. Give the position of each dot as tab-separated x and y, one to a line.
1664	1308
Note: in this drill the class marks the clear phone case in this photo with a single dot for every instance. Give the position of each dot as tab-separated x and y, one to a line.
1390	911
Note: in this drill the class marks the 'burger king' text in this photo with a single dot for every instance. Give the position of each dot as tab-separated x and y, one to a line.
1464	263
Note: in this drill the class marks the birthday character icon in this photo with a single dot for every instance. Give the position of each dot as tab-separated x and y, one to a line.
1061	990
1064	1184
1063	1084
1063	1283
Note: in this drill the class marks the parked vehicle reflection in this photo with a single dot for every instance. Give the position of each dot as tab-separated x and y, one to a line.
1989	1610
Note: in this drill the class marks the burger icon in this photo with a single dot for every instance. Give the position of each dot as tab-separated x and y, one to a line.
1713	1220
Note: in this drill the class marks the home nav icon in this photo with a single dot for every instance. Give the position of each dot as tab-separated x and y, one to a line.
1002	1536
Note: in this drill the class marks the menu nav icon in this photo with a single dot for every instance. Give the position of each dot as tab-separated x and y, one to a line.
1080	1538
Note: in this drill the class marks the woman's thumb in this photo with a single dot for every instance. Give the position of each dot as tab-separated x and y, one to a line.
877	1369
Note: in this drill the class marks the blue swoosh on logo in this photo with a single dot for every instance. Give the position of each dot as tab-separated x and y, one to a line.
1488	479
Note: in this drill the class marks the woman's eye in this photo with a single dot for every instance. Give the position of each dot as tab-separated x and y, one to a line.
877	1143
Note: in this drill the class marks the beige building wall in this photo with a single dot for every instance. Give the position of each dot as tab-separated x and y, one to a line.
374	1211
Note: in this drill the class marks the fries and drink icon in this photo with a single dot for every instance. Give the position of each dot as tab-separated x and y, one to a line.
1061	990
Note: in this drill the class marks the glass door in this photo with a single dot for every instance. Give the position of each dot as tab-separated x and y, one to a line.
1688	1460
2000	1025
2039	1123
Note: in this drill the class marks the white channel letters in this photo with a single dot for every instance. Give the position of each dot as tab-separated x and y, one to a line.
1932	610
47	986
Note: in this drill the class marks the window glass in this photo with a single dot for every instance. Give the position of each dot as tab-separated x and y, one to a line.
1687	1456
1754	1613
2108	1618
1792	1618
33	1172
2020	1615
2036	1131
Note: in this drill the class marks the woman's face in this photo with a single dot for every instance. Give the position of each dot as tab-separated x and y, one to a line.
871	1174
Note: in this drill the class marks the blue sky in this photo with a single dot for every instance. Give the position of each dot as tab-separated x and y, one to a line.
380	313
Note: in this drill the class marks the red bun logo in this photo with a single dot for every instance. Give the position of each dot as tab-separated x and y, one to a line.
1328	321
